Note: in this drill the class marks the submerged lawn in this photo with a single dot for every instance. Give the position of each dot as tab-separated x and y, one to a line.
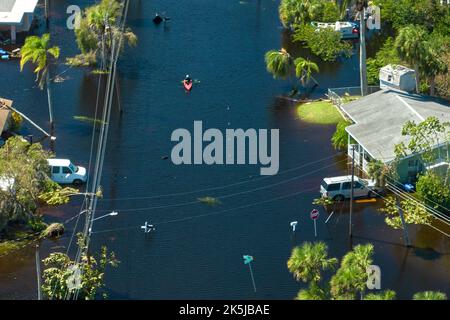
319	112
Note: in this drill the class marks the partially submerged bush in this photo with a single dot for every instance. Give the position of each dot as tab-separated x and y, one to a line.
55	230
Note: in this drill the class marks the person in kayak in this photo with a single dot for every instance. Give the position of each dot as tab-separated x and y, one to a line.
187	79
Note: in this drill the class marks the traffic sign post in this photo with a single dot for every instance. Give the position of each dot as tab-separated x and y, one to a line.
314	216
294	225
248	260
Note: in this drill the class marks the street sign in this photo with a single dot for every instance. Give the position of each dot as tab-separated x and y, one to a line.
247	259
314	214
148	227
294	225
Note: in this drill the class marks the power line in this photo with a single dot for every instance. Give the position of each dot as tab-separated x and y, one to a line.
216	212
398	207
425	198
407	196
101	150
220	187
228	195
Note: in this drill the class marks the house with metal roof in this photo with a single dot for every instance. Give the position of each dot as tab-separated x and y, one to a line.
378	120
16	16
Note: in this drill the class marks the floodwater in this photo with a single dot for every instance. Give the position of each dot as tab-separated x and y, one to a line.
196	251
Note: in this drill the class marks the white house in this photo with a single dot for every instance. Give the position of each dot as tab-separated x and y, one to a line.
16	16
378	120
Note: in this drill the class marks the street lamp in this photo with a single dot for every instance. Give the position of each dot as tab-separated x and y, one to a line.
111	214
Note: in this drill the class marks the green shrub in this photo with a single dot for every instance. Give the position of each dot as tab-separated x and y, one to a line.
432	189
325	43
340	137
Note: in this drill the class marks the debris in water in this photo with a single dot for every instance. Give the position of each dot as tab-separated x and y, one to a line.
210	201
88	120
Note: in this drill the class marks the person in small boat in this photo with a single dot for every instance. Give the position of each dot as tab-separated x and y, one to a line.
157	19
187	79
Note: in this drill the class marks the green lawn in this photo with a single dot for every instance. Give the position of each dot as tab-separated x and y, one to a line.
319	112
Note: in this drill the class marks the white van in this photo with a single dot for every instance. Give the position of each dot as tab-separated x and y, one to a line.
63	171
339	188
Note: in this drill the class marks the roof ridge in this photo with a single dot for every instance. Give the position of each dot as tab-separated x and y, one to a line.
410	108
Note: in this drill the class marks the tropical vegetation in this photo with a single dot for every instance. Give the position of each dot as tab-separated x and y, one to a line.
325	43
63	278
38	51
310	261
24	167
340	136
421	40
98	31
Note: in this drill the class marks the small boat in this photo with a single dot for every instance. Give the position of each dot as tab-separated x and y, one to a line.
157	19
7	55
348	30
188	85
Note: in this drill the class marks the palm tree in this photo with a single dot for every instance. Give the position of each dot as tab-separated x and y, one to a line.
411	45
304	69
279	63
313	292
294	12
351	276
36	49
378	171
430	295
99	29
434	64
385	295
308	261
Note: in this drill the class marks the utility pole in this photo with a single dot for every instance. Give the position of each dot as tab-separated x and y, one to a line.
103	137
402	219
38	273
361	6
352	193
46	12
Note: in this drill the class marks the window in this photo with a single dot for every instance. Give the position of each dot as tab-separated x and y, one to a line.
66	170
358	185
334	187
346	185
73	168
413	163
55	170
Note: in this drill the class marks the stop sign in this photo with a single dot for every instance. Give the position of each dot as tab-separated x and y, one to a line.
314	214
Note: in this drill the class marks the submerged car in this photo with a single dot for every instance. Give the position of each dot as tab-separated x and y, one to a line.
63	171
339	188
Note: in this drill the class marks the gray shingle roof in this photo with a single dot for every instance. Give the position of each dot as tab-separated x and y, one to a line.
379	118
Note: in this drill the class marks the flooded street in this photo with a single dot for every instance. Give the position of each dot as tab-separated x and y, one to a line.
196	251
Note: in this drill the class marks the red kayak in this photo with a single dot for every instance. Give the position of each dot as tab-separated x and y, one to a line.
187	85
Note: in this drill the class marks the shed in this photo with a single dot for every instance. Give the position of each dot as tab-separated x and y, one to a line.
397	77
